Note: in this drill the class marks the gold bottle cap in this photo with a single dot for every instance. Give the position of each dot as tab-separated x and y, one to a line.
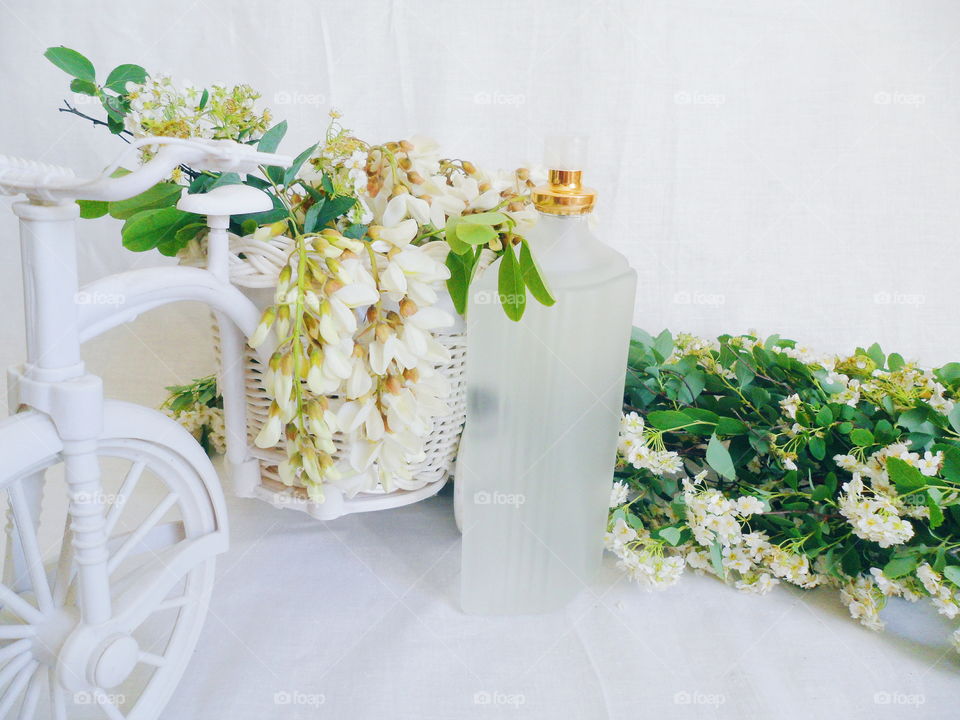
564	195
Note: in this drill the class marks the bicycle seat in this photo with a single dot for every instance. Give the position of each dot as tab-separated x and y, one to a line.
17	175
227	200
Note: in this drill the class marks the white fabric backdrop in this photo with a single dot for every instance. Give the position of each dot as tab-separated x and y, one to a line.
789	166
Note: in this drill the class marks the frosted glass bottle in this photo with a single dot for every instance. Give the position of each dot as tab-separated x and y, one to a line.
543	406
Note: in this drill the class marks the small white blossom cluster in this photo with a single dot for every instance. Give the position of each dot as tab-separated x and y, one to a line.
864	600
875	466
873	514
944	598
202	419
161	107
633	446
642	558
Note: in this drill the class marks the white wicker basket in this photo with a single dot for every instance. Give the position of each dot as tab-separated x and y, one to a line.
254	268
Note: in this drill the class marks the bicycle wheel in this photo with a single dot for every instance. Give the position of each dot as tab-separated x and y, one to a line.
162	526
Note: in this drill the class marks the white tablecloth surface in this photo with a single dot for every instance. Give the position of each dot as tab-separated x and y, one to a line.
359	618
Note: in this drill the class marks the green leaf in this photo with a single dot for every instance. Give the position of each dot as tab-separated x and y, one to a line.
162	194
817	447
333	208
744	374
934	498
820	493
895	361
310	219
876	354
949	373
298	161
731	426
114	110
356	231
450	233
905	477
669	419
486	218
670	534
122	74
458	282
203	99
533	277
954	418
900	566
92	208
824	416
147	229
272	137
83	87
952	573
513	293
475	234
719	458
71	62
861	437
951	462
716	558
663	345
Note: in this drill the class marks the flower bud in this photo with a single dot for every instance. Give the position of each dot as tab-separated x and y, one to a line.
405	163
412	375
283	281
469	168
311	300
415	177
383	333
372	313
263	329
406	145
283	321
408	307
331	286
483	187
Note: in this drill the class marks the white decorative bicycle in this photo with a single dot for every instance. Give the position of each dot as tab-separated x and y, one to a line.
99	616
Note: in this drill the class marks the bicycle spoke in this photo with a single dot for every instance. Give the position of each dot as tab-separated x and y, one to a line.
13	667
19	606
27	530
152	659
10	651
56	695
123	494
32	696
65	570
135	537
15	632
12	693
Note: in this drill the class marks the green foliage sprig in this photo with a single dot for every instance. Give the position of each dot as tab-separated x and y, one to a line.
760	462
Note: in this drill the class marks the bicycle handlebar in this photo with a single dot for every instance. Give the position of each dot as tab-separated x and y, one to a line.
51	184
